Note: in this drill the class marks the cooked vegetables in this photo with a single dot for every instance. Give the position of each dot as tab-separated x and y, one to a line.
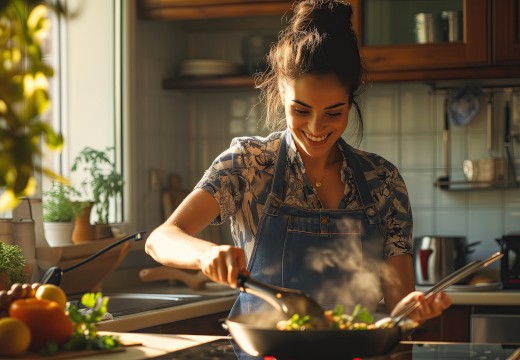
360	319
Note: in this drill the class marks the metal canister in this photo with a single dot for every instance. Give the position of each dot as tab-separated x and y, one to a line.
424	28
450	26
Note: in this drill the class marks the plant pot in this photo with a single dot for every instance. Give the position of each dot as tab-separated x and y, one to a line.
83	229
58	233
103	231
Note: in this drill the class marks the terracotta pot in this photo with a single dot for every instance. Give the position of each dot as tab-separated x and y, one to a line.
83	229
103	231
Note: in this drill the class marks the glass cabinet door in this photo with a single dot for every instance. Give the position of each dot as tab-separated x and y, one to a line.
506	39
419	34
397	22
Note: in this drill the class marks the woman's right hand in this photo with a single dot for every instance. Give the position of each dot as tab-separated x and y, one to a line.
223	263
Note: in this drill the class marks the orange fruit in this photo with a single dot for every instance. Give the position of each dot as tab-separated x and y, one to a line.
46	320
53	293
15	337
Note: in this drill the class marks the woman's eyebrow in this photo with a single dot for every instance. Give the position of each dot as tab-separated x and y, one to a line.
327	108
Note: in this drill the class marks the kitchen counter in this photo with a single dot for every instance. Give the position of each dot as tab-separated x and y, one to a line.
224	297
154	345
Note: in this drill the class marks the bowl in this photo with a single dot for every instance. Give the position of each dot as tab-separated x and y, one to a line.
89	276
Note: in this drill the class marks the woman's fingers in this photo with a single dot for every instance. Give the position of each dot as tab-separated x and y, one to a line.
428	308
223	264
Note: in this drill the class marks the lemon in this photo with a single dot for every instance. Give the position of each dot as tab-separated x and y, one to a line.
15	336
53	293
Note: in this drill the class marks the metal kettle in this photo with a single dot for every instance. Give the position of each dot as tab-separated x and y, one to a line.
436	257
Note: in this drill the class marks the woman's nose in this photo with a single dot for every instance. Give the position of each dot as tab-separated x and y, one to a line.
315	124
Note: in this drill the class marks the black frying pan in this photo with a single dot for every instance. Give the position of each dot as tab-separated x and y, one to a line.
257	335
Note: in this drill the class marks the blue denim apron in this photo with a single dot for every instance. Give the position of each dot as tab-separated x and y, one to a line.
323	252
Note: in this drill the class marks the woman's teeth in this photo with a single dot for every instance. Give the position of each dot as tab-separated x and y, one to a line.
316	139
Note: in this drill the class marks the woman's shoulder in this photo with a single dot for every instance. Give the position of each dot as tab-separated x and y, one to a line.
253	144
370	161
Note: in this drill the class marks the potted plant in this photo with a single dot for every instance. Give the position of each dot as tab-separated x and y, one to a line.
103	184
59	211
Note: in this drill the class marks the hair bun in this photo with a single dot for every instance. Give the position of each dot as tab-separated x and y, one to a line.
325	16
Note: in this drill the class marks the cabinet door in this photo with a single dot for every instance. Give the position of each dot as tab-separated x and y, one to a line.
506	36
418	34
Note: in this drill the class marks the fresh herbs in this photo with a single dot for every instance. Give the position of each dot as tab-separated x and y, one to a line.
85	336
360	319
12	263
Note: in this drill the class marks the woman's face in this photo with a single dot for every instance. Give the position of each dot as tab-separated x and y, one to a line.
316	109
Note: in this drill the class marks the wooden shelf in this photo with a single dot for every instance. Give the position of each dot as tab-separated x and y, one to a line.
175	10
199	83
475	186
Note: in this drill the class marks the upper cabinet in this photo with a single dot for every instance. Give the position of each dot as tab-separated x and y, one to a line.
438	40
400	40
506	32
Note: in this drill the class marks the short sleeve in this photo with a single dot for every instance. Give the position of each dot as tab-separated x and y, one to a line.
226	180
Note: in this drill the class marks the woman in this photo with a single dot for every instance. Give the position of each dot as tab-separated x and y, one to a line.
307	210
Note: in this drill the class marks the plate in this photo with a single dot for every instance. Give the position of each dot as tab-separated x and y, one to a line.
208	67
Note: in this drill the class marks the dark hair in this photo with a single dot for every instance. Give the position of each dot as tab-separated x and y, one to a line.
318	40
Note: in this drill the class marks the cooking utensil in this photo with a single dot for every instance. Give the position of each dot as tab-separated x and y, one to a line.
449	280
257	335
507	138
446	149
287	301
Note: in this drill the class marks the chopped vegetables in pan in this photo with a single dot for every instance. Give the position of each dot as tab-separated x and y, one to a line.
360	319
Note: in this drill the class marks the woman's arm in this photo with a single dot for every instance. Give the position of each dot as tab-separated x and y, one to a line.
398	279
174	243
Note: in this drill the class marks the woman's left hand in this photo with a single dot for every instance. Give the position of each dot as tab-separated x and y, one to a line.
428	308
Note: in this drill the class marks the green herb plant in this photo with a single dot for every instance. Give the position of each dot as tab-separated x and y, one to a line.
59	204
12	263
85	336
104	183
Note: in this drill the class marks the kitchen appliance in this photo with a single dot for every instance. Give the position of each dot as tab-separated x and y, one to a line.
436	257
510	264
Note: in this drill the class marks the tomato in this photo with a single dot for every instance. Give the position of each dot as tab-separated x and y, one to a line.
45	319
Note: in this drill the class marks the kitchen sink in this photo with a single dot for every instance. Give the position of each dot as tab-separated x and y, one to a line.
120	304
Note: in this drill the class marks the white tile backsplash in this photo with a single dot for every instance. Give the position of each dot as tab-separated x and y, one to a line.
183	131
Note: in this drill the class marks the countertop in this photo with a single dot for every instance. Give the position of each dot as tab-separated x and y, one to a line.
226	297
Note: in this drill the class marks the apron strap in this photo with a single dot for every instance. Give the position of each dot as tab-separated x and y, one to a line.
367	200
277	187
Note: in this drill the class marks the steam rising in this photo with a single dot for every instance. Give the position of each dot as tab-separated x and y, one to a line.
366	276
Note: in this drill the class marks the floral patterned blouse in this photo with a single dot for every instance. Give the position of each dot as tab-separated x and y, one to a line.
240	180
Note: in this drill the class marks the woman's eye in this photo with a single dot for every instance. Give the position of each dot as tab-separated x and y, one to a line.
301	111
334	114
